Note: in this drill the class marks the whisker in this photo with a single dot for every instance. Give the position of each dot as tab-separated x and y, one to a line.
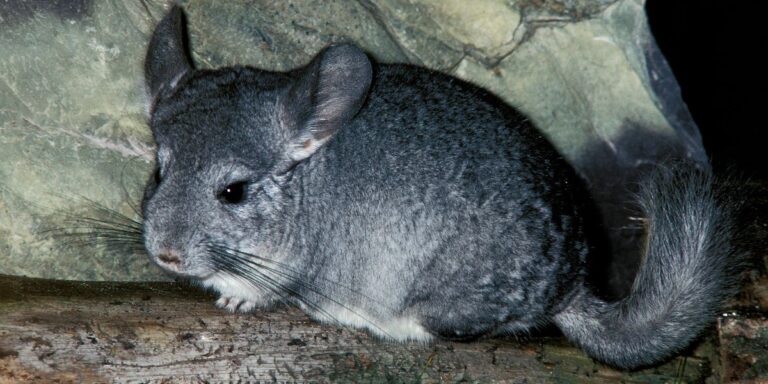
102	228
296	275
257	282
123	222
94	233
240	259
134	207
234	267
89	230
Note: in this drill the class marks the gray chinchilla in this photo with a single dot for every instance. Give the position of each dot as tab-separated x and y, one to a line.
407	202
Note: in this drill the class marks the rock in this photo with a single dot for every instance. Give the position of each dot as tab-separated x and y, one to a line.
71	128
74	143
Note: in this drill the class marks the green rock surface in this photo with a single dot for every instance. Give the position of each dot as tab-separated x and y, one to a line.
73	136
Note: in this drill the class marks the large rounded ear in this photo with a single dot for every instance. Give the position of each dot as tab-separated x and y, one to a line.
327	95
167	58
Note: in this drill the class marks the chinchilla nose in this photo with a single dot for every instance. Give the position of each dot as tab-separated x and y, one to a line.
169	259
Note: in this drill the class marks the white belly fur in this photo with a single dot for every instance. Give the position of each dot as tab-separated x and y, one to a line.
395	329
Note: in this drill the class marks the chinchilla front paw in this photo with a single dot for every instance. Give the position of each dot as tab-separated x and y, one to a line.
235	304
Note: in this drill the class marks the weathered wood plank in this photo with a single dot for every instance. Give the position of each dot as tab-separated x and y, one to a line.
56	331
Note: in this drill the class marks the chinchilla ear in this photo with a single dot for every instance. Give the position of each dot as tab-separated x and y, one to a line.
167	58
328	93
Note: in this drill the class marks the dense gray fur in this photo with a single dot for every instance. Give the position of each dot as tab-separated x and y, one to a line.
407	202
688	271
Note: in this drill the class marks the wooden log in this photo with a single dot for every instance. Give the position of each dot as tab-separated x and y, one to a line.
60	331
743	334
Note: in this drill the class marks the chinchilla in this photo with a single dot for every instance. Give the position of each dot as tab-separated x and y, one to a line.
407	202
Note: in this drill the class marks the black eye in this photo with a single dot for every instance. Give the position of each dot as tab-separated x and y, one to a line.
157	176
233	193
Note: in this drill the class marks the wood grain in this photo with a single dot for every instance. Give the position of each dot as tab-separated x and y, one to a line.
58	331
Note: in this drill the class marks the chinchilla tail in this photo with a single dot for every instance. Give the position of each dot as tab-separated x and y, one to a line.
690	268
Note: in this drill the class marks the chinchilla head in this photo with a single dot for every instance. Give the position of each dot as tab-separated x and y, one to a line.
228	141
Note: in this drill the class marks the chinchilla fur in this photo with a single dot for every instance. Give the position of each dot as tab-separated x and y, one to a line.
407	202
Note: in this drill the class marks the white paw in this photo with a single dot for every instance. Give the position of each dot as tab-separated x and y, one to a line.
235	304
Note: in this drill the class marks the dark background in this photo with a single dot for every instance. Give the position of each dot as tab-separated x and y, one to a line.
715	51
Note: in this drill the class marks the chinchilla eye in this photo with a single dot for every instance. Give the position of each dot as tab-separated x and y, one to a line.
233	193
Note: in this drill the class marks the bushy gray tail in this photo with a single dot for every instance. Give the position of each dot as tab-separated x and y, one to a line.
687	273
